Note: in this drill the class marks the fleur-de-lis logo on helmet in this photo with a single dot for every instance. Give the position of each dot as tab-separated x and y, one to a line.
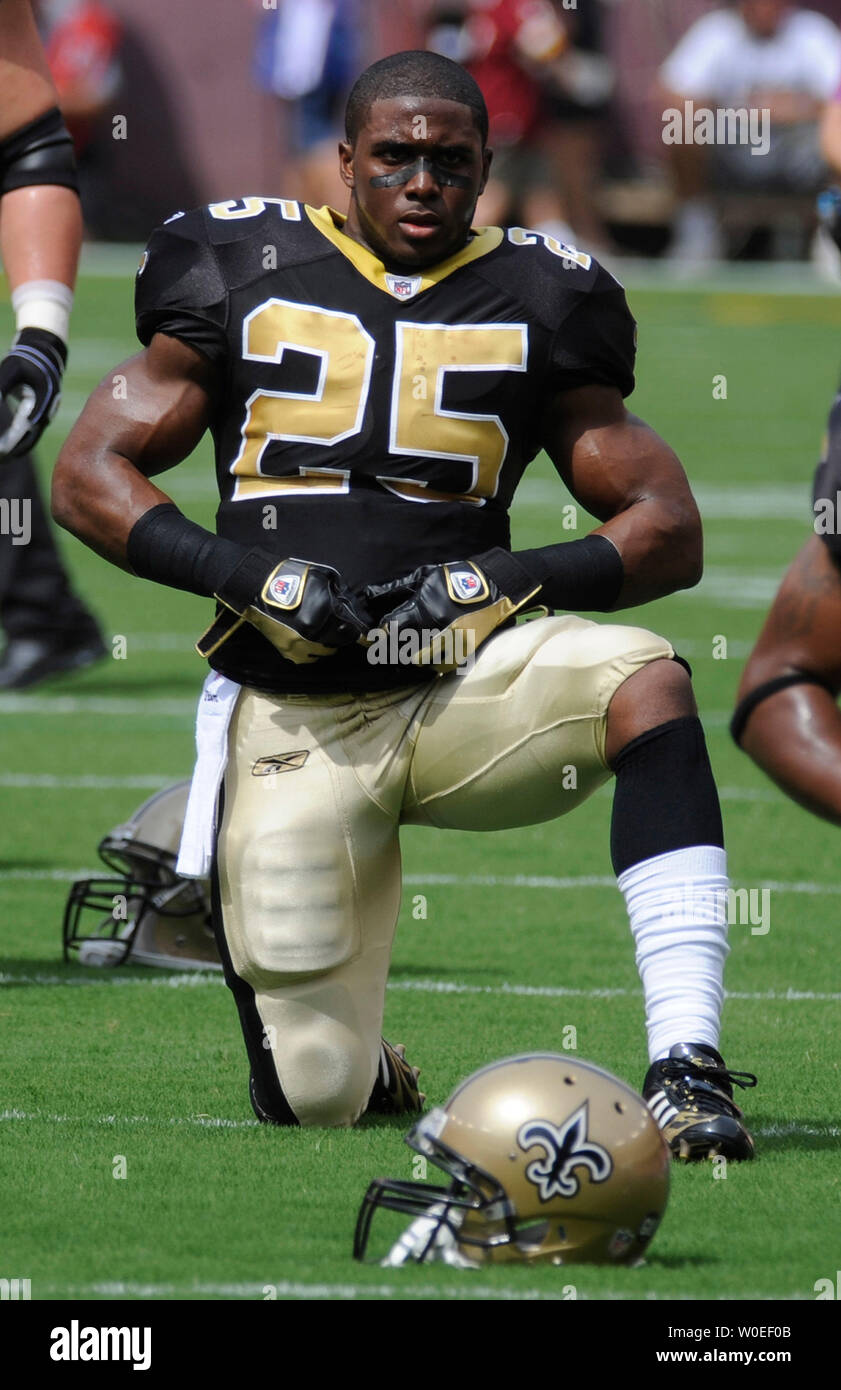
567	1148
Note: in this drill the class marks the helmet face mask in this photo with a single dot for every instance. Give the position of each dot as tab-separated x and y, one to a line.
549	1160
147	914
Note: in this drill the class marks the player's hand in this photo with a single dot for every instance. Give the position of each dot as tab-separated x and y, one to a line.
30	386
302	608
437	601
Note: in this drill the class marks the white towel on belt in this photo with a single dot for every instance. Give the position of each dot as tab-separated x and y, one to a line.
216	705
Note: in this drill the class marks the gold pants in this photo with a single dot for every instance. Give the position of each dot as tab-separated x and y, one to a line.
316	789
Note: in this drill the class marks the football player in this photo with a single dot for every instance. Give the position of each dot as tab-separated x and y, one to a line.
376	384
48	628
787	718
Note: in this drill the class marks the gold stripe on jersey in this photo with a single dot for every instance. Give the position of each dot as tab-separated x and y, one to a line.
327	221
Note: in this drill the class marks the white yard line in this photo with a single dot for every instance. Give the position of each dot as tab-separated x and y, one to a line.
201	1121
789	996
13	1114
463	881
286	1288
185	979
64	705
47	781
716	502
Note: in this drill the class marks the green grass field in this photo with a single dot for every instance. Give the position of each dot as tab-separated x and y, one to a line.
524	934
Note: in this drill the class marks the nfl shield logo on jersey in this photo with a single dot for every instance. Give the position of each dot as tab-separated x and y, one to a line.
466	585
403	286
283	589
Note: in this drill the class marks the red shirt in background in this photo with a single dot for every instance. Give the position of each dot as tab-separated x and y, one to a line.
506	37
81	41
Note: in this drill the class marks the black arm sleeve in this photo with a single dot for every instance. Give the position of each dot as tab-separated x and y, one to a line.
180	289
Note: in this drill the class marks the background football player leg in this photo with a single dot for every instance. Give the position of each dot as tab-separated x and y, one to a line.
47	627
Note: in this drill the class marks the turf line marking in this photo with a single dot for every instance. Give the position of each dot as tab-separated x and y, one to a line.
201	1121
98	704
86	781
789	996
764	794
13	1113
47	875
285	1288
289	1289
586	881
783	1131
191	980
185	979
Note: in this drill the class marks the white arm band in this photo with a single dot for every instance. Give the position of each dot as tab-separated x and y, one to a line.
43	304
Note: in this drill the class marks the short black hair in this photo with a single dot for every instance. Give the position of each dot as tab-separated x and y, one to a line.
415	73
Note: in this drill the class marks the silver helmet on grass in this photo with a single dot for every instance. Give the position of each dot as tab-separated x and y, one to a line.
147	913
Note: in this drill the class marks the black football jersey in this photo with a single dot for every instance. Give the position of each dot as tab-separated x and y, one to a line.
367	420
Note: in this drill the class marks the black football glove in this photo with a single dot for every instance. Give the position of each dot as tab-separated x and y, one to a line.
30	385
302	608
437	600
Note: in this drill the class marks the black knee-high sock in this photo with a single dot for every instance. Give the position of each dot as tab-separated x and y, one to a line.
665	797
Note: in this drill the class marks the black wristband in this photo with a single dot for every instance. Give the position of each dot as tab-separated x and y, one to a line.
42	340
510	577
166	546
576	575
746	706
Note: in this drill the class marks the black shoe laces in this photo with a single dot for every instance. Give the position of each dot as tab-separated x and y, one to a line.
708	1080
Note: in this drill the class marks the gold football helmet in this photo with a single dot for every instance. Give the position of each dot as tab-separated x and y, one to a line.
549	1158
148	914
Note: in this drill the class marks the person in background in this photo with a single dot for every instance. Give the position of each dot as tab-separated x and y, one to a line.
545	85
82	41
787	717
760	55
48	629
306	57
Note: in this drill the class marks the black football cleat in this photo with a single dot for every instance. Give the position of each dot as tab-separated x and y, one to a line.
396	1087
28	661
690	1095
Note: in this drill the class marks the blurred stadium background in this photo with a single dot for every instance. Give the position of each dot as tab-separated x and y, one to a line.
523	932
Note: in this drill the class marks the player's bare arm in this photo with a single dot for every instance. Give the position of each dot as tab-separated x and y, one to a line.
40	229
101	484
626	475
102	493
793	731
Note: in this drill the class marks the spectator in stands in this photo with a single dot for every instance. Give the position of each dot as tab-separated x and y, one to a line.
761	55
82	41
545	83
830	134
308	56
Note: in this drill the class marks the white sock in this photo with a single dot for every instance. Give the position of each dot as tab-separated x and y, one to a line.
677	905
